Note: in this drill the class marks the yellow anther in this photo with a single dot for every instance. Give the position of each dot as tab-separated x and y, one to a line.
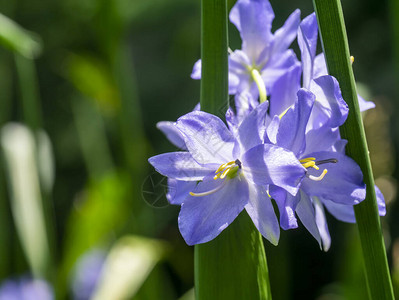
318	178
307	159
221	168
225	172
352	59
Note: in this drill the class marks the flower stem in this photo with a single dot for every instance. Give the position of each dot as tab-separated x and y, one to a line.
336	49
233	265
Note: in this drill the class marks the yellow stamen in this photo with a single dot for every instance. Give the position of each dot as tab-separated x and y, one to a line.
318	178
208	192
221	168
304	160
225	172
352	59
284	112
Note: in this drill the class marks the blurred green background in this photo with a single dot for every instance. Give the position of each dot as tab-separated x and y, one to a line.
91	78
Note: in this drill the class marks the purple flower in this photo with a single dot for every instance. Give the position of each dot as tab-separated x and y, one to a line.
333	180
264	56
26	289
233	173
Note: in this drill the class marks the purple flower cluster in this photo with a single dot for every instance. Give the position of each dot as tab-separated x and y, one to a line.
281	141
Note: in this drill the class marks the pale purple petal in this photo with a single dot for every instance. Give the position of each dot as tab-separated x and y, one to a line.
342	212
330	107
206	137
343	182
272	130
285	90
196	73
181	166
365	105
252	129
380	201
306	213
321	139
321	222
307	41
203	218
319	66
244	103
284	36
253	19
286	204
291	134
179	190
269	164
172	133
261	211
277	67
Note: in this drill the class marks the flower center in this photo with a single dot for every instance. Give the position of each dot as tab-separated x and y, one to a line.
228	170
311	162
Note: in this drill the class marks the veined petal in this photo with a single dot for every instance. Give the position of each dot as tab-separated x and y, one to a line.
272	130
261	211
291	133
203	218
181	166
179	190
284	36
251	131
286	204
329	102
306	213
206	137
320	66
268	164
253	19
172	133
285	90
307	41
343	182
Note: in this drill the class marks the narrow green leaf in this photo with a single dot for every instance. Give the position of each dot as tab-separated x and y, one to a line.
214	45
233	265
336	49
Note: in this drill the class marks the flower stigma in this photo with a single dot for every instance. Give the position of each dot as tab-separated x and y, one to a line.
228	170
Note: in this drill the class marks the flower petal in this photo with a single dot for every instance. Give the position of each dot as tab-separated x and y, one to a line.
181	166
285	90
321	139
342	212
196	73
291	133
179	190
251	131
284	36
322	226
261	211
253	19
306	213
269	164
365	105
172	133
286	204
206	137
380	201
307	41
329	102
343	182
203	218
